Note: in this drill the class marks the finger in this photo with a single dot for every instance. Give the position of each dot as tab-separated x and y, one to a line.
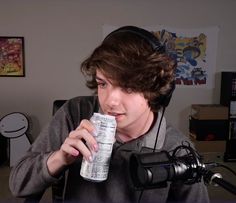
86	124
70	150
87	137
75	146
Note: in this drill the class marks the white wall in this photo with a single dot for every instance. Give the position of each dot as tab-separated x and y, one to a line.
59	34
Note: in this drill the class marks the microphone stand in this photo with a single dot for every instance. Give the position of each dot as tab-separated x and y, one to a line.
210	177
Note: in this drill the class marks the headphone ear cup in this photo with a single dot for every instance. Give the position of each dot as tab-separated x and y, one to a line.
164	100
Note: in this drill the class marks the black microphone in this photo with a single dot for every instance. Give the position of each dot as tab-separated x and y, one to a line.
155	169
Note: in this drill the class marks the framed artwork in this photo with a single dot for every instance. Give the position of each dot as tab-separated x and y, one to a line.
12	62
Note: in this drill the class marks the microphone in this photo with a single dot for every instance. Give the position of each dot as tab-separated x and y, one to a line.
155	169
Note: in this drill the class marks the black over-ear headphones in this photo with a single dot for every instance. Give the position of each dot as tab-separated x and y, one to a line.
150	38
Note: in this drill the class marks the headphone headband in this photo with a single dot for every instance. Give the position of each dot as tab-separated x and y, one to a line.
148	36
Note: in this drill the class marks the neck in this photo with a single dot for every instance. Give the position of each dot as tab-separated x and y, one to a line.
137	129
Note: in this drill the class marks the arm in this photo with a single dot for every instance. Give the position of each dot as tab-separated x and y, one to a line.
30	175
57	146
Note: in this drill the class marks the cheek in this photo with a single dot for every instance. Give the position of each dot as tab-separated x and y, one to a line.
101	98
137	104
141	101
143	106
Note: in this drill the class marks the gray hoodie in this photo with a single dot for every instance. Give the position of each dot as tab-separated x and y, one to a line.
30	175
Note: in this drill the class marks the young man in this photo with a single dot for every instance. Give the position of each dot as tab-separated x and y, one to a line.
133	78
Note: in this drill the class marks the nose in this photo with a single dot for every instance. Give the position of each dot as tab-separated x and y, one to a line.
114	96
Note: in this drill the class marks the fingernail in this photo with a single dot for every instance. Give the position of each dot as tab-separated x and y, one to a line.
94	133
75	153
90	158
95	146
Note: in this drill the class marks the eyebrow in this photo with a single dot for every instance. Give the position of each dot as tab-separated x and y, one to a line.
103	80
98	78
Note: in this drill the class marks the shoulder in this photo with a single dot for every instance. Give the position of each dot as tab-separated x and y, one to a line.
174	138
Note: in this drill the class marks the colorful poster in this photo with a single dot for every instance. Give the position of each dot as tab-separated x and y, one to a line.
12	57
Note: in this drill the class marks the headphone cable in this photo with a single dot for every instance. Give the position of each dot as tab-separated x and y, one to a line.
159	127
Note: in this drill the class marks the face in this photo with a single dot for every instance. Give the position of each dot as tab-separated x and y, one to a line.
13	125
130	109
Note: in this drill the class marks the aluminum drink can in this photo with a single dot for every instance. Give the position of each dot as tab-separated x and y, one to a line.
97	169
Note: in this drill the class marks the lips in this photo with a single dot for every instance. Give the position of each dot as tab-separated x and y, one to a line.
118	116
114	114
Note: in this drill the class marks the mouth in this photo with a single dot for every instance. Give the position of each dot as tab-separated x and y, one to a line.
13	131
118	116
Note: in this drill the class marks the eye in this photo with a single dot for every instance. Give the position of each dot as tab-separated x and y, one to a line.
101	85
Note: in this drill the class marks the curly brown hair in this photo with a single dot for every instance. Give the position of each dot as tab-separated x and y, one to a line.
131	63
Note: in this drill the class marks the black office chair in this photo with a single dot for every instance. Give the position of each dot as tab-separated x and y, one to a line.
57	189
56	105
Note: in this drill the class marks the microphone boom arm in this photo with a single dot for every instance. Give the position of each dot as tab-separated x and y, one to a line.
210	178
